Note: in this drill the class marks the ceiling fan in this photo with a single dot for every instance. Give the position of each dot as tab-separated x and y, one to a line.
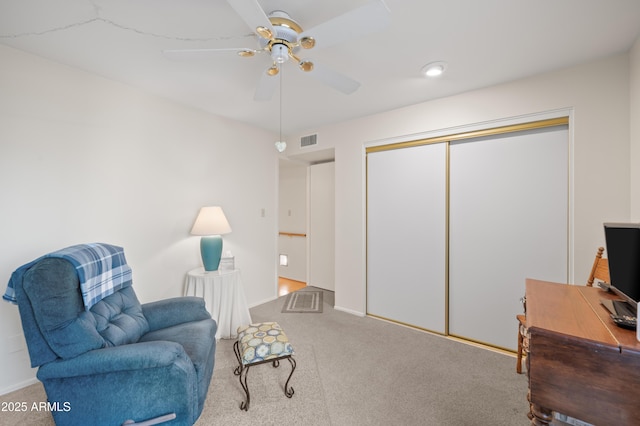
282	38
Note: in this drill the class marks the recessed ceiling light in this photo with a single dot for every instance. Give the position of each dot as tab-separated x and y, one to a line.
434	69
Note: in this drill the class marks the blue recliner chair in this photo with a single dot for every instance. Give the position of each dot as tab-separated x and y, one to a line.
117	362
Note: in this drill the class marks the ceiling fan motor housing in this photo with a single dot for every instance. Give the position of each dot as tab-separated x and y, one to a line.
285	38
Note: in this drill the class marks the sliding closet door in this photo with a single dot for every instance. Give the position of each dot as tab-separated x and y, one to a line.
406	235
508	221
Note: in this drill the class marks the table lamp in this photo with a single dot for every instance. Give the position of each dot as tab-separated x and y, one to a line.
211	223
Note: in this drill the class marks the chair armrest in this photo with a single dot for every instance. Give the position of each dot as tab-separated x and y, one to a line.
135	356
178	310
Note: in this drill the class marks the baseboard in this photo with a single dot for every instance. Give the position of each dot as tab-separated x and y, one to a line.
17	386
349	311
253	305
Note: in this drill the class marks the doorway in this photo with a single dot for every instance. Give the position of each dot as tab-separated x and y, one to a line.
306	244
292	224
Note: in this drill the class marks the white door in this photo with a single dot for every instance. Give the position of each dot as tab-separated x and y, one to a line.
322	226
508	222
406	235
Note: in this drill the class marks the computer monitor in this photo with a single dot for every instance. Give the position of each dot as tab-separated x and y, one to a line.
623	254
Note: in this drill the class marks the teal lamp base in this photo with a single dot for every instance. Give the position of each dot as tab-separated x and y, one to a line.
211	251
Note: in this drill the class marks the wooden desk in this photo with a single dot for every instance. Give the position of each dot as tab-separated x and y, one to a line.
579	362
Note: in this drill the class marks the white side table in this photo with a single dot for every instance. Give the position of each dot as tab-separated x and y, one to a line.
224	297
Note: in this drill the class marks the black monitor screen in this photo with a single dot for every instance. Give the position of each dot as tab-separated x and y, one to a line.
623	253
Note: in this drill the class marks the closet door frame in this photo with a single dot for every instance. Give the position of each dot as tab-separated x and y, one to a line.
553	119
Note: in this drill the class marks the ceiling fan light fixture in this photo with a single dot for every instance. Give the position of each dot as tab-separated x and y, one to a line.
307	42
434	69
306	66
279	53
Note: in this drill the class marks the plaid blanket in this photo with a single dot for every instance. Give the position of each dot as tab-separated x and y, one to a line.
102	270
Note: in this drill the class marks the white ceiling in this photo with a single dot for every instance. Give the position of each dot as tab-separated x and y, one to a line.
484	43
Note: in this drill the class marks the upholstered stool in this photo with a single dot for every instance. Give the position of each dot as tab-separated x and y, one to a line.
258	344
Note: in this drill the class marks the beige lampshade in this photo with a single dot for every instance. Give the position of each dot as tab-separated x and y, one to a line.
211	221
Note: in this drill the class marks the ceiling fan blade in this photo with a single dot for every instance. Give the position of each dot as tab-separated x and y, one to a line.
372	17
266	86
334	79
189	54
251	13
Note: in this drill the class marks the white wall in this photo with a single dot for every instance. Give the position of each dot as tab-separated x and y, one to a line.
634	67
598	95
85	159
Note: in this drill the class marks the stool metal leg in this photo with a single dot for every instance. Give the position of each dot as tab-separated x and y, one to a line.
236	350
243	370
243	382
289	392
240	369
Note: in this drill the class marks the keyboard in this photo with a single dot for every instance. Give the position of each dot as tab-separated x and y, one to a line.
624	309
625	322
622	313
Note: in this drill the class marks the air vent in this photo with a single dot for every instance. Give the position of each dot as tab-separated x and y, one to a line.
308	140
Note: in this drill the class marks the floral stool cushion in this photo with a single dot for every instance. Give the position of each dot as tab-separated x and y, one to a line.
258	344
262	342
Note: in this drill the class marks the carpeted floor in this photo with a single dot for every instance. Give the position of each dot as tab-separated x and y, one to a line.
377	373
355	371
269	405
